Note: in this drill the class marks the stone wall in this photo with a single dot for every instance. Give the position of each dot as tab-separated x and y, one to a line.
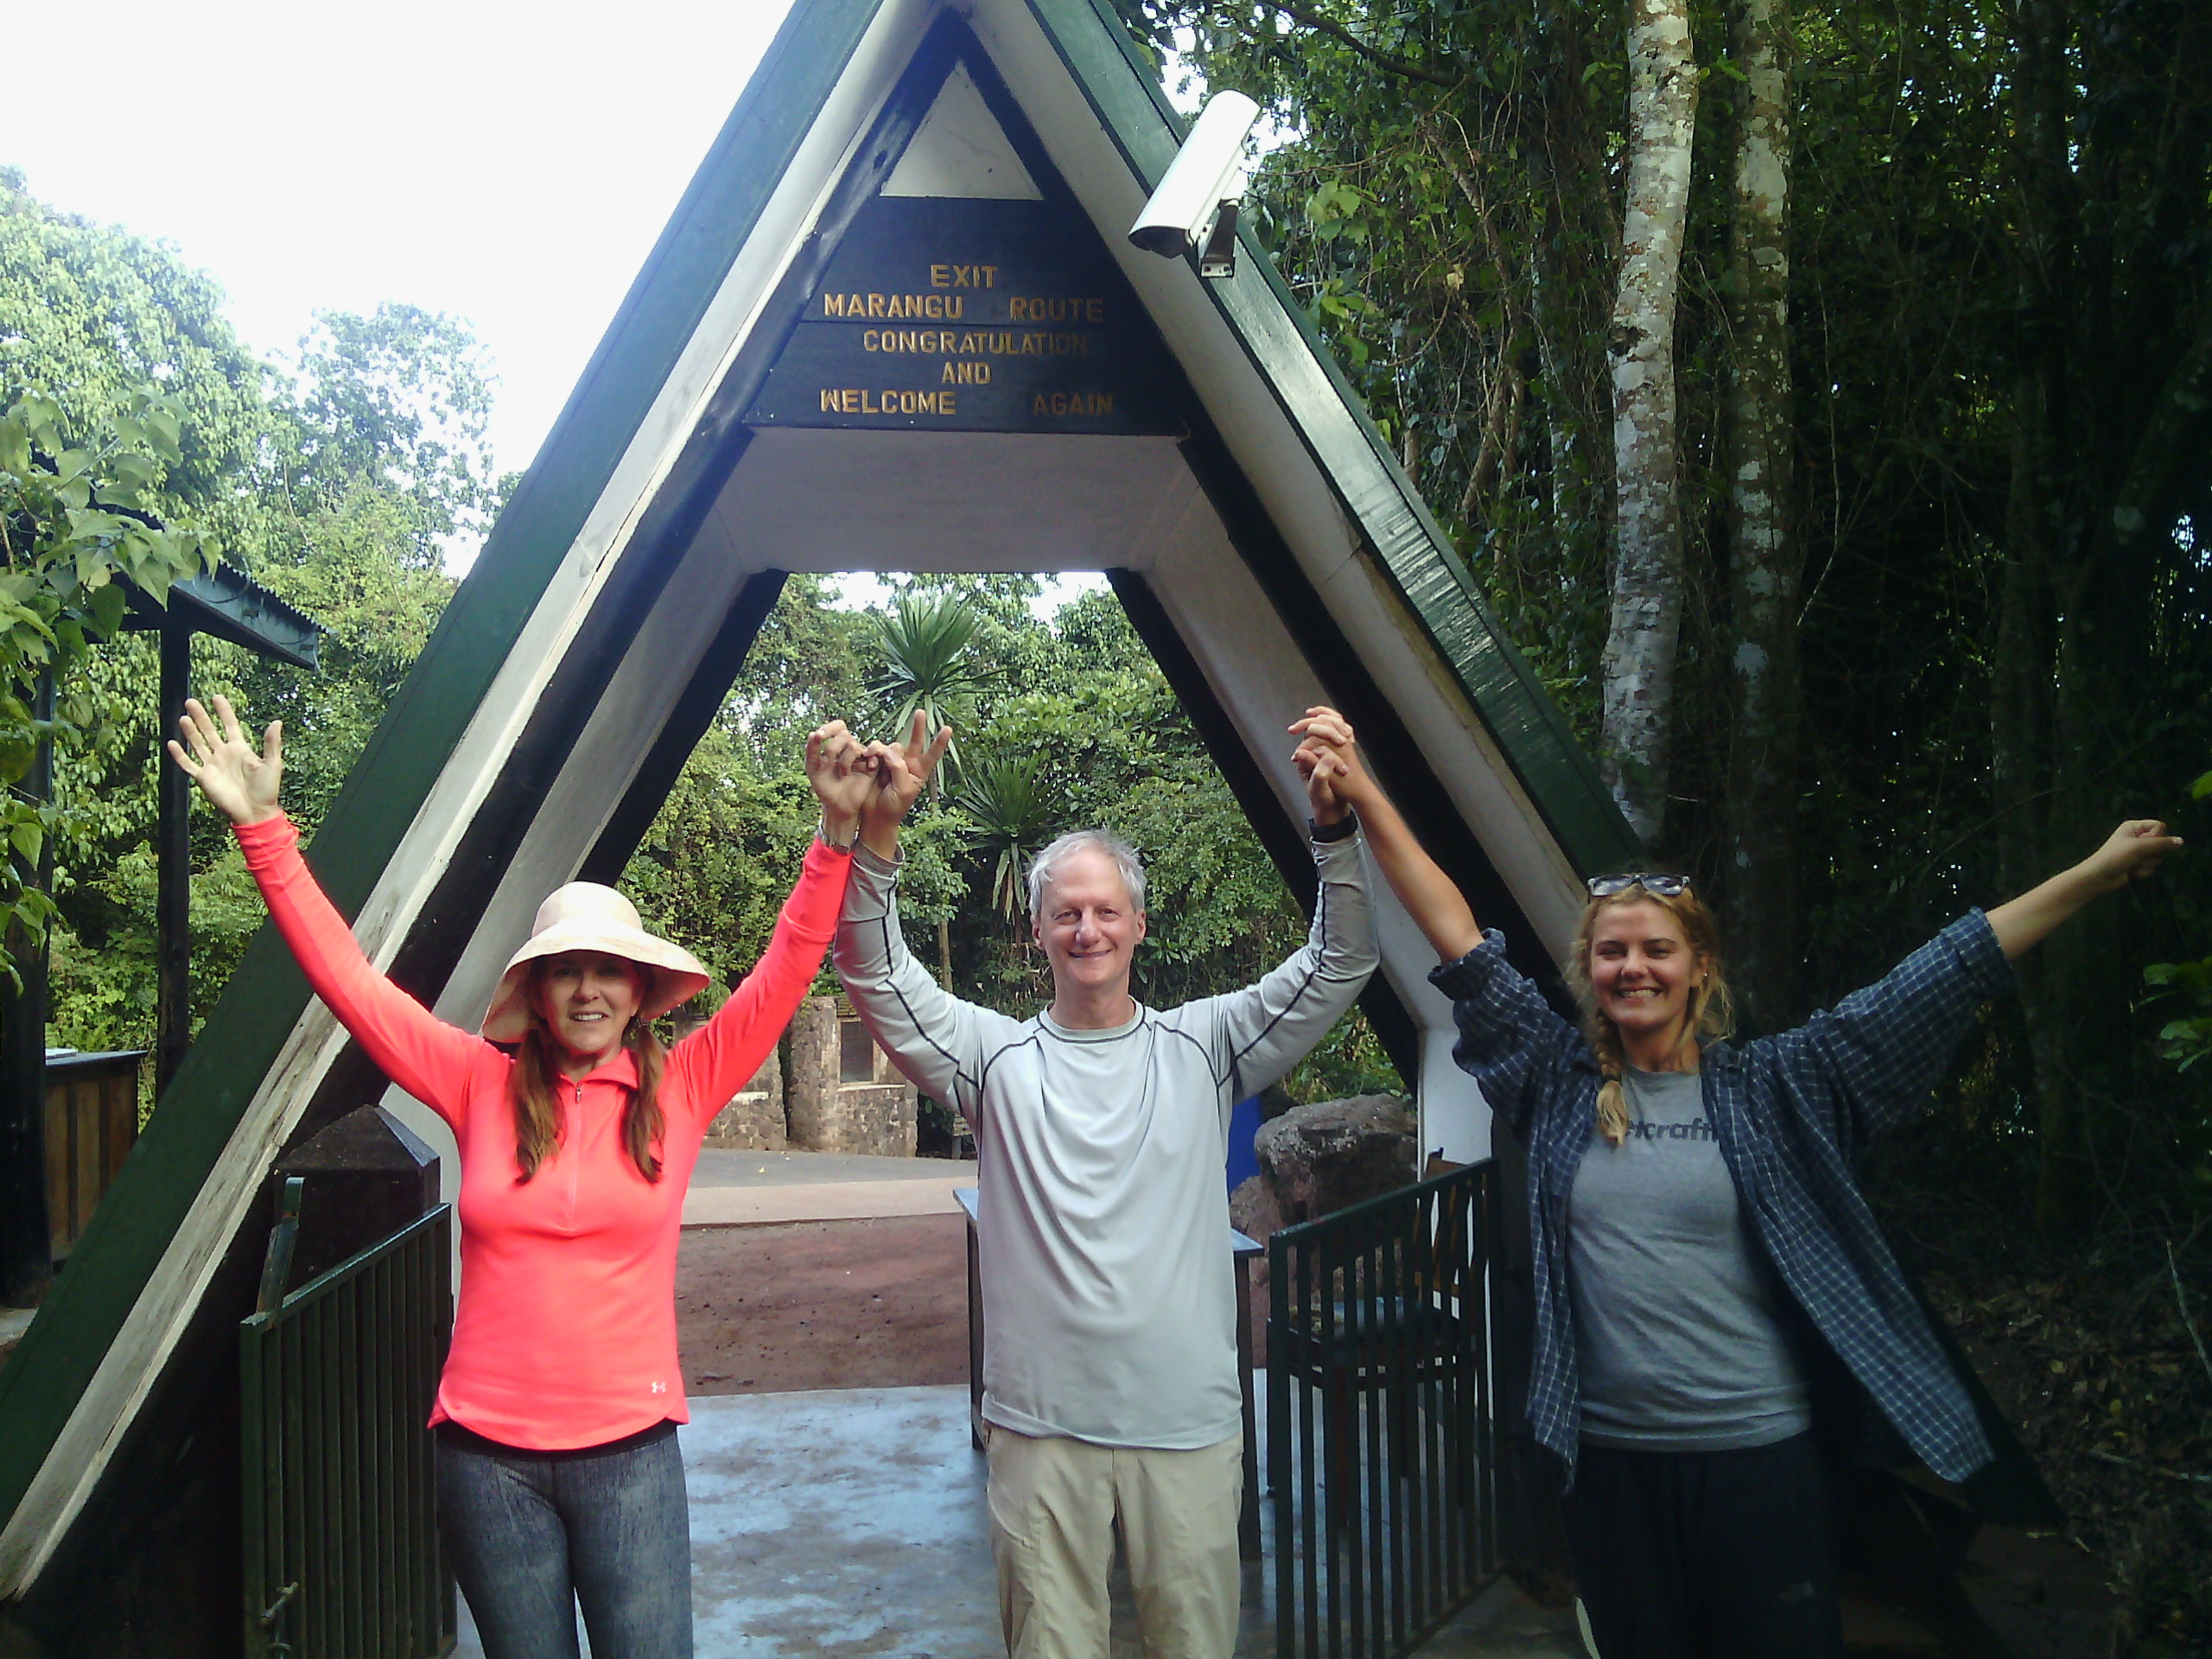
823	1113
753	1119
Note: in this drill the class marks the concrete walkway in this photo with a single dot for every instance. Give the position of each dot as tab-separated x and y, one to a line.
851	1522
744	1189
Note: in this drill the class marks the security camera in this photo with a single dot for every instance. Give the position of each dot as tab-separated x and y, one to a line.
1196	204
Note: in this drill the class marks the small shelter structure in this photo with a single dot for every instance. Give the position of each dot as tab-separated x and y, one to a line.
229	605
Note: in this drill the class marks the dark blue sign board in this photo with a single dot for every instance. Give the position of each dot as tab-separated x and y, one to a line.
966	315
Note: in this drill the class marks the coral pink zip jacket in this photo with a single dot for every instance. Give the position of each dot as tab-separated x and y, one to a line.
565	1333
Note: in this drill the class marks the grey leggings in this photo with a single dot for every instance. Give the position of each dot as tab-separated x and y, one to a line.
532	1534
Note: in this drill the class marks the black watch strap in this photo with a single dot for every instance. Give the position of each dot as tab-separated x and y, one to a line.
1343	829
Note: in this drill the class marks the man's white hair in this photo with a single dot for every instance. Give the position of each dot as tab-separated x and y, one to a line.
1102	841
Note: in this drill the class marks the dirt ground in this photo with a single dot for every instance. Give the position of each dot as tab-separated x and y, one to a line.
875	1303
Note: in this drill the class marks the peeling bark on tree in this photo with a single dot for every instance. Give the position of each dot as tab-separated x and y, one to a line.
1766	559
1647	585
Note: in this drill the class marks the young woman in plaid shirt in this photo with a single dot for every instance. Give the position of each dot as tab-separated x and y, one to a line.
1693	1209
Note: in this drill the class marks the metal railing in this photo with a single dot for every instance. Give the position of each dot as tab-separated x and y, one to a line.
1380	1418
342	1558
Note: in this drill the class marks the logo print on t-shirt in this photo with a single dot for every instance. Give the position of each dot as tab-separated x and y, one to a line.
1695	1128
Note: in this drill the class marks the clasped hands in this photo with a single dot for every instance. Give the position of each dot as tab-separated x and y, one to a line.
876	784
1327	759
873	784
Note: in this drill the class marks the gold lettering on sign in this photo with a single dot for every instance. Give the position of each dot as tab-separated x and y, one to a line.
975	342
1072	403
938	307
928	342
967	374
964	275
890	400
1020	309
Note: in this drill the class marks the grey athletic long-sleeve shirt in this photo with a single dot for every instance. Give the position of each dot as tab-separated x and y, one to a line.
1108	1291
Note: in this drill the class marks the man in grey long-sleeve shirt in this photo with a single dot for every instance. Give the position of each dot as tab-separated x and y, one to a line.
1109	1377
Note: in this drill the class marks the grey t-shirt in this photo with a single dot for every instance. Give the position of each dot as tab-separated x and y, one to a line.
1678	1328
1109	1296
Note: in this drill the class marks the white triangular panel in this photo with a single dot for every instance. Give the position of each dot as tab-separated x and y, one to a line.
961	150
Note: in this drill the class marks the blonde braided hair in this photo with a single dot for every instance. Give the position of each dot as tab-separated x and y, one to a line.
1711	1014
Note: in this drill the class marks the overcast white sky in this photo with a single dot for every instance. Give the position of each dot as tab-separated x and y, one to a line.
511	165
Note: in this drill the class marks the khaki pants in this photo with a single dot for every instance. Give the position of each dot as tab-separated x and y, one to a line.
1053	1506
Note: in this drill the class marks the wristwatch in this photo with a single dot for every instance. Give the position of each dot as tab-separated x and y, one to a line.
822	834
1343	829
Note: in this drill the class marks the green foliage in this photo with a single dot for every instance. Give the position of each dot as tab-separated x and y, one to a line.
93	316
342	488
1005	799
927	662
102	998
2188	1039
1067	725
396	404
74	526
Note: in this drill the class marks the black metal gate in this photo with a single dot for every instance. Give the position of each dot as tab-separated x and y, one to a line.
1381	1419
342	1548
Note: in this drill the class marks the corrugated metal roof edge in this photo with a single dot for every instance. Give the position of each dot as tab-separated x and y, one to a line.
1551	766
233	604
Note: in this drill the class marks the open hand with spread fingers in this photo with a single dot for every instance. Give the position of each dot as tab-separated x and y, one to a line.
219	757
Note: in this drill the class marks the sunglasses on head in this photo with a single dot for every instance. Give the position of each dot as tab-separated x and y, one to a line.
1652	881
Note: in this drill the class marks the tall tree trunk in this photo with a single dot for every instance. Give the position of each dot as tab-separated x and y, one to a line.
1766	559
1571	285
2047	554
1647	584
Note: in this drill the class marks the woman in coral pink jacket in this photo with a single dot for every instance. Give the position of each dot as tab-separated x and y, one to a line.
559	1479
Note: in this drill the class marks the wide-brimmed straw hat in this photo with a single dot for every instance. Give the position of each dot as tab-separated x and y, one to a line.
585	915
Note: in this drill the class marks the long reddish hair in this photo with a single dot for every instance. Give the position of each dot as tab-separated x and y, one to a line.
1711	1014
536	1073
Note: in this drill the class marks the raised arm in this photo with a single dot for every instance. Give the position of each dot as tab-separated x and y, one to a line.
902	772
935	1037
1870	1062
1266	1028
1329	755
2129	854
721	1056
430	1060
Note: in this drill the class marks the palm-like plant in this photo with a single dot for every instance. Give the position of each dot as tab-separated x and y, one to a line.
1010	816
927	642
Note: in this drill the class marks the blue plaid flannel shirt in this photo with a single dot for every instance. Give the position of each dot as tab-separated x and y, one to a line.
1793	1113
